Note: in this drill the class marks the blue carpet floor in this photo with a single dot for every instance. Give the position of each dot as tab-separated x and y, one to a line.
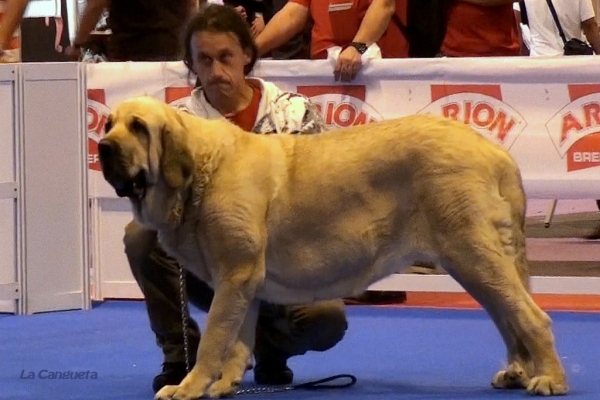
395	353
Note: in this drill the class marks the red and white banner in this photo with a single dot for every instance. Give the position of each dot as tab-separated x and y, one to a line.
545	112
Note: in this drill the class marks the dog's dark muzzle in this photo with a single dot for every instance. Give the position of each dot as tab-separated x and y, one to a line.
116	174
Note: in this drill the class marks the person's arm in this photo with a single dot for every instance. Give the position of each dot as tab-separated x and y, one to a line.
13	15
289	21
258	25
195	6
522	40
91	15
375	21
592	34
372	27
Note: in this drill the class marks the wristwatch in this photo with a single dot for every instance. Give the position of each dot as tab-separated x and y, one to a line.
361	47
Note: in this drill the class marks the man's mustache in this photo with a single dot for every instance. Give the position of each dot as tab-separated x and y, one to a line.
217	81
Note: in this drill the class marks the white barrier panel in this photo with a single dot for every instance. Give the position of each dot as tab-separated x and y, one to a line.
545	112
10	244
55	187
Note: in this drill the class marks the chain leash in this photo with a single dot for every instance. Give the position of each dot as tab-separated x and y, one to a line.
184	317
312	385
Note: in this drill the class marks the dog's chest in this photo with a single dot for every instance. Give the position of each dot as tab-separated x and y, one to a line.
183	245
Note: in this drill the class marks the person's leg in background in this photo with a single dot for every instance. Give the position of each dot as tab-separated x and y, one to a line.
282	332
287	331
595	234
158	278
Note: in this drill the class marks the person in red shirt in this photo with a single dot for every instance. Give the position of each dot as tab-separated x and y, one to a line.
11	15
481	28
353	25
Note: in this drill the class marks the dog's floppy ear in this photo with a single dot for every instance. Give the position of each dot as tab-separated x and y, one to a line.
176	161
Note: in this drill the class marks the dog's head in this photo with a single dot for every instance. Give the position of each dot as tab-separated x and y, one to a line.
144	156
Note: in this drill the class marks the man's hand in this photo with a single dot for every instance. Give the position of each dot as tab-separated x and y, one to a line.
9	56
258	25
348	64
242	11
13	15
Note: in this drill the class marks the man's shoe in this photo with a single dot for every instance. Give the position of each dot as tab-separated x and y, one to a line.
172	374
595	235
376	297
272	373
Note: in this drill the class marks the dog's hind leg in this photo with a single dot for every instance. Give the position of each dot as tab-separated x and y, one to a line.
481	255
519	369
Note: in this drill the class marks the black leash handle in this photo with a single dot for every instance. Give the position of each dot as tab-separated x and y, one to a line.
320	384
312	385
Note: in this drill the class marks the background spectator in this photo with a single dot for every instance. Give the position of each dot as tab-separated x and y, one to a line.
298	47
141	30
481	28
10	35
576	17
425	27
353	26
524	32
252	11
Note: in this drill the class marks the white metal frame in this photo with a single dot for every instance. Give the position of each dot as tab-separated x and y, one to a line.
82	128
15	291
94	242
20	167
444	283
67	294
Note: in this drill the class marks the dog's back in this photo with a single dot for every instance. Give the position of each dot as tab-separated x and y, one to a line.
414	141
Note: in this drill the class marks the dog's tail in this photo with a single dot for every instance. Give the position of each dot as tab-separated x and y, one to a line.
511	188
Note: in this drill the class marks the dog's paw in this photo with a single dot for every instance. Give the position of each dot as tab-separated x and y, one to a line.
546	385
223	388
514	377
506	380
166	393
178	392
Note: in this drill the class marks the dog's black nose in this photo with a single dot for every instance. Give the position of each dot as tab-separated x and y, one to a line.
107	149
112	167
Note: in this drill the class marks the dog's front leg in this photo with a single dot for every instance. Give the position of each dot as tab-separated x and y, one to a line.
237	362
234	293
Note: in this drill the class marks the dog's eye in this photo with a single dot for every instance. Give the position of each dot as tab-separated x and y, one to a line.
139	126
108	125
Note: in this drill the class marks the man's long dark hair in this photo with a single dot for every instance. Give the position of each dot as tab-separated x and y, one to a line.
219	19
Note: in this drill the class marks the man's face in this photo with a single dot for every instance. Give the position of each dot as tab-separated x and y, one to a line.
219	62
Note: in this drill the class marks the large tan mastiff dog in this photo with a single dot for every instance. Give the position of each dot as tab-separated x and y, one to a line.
298	218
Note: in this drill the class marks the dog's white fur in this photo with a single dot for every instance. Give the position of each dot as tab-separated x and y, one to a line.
298	218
